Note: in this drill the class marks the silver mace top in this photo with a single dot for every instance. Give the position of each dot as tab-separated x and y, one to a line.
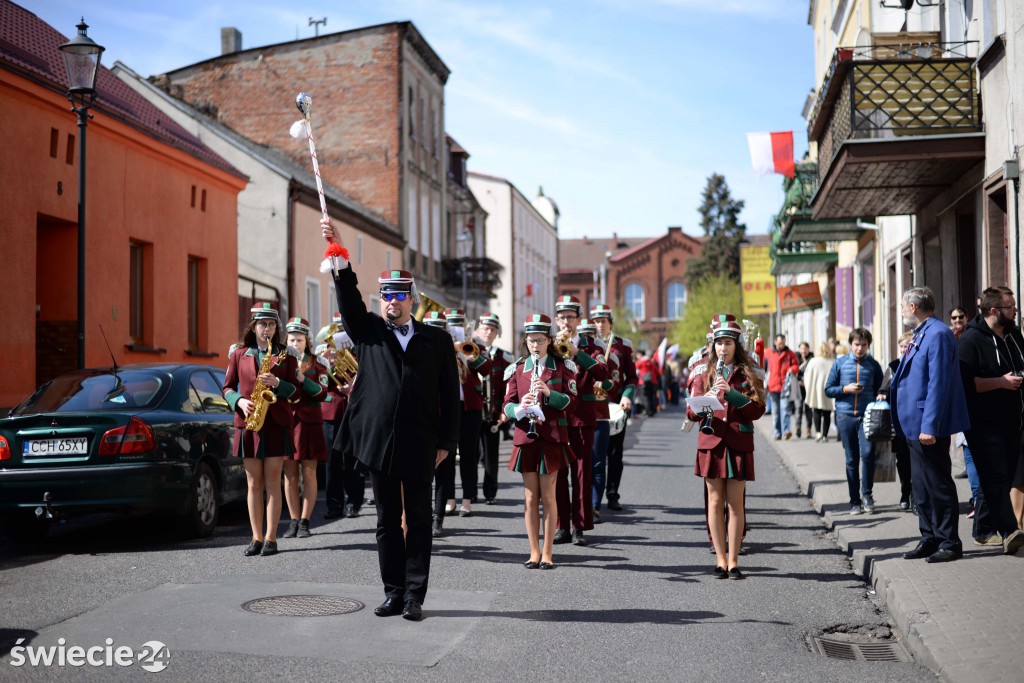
304	103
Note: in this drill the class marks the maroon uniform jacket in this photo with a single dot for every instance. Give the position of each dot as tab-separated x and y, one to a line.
500	360
333	405
609	385
562	381
306	402
733	425
626	381
590	370
243	366
472	387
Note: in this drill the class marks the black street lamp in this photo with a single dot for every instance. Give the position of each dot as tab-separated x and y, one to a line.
82	61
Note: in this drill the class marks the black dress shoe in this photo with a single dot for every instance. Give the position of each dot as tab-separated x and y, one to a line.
413	610
334	513
490	501
351	511
547	565
922	551
577	538
254	548
530	564
614	505
292	530
720	573
735	573
389	608
436	530
944	555
562	536
269	548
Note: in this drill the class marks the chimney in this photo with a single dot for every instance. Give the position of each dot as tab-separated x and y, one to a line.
230	40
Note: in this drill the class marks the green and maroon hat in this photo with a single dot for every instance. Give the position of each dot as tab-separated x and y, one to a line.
455	316
435	319
490	319
725	325
586	326
264	311
395	281
300	325
569	303
601	311
538	322
336	318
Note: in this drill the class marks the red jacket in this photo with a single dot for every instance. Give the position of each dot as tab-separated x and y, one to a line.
590	370
647	368
778	364
472	387
305	403
562	382
734	424
625	383
241	378
500	360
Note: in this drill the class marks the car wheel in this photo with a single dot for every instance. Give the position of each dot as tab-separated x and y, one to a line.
200	517
27	528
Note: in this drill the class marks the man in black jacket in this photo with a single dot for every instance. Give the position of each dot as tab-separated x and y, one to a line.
402	421
992	364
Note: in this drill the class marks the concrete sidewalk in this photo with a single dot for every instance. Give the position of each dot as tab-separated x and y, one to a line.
961	619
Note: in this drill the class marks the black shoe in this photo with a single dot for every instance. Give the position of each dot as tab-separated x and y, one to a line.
597	516
530	564
389	608
254	548
293	528
577	538
562	536
944	555
547	565
334	513
720	573
922	551
413	610
303	531
905	502
435	529
614	505
351	510
269	548
491	501
735	573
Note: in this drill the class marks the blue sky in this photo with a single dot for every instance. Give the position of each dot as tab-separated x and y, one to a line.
620	109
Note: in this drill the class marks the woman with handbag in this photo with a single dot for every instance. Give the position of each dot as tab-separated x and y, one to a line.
815	374
725	448
541	390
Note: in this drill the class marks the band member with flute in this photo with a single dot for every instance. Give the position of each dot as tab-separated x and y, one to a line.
541	391
487	330
262	374
602	414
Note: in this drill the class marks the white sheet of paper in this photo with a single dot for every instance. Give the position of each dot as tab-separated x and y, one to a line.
700	404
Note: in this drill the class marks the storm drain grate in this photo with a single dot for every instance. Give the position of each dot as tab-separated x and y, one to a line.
885	651
302	606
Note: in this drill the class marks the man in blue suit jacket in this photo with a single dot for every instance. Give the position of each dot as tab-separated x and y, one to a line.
928	407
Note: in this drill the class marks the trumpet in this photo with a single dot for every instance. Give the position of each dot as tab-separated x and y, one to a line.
469	349
344	367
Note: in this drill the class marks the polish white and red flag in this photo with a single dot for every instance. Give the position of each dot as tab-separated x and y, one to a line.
772	153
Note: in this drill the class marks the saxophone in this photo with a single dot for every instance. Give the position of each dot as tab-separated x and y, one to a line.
262	395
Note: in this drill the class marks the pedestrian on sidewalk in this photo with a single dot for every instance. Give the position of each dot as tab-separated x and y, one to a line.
928	408
725	457
815	376
401	423
992	366
853	382
780	362
899	443
541	392
803	411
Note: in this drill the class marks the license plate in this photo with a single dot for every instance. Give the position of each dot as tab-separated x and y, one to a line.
43	447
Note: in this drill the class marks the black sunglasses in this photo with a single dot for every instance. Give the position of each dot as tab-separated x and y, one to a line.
391	296
957	317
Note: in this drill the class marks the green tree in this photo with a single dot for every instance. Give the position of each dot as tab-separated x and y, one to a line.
723	233
713	295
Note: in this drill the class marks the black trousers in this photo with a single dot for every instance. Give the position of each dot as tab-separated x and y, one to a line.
345	478
404	561
822	421
489	451
995	454
615	464
469	451
903	467
935	493
444	486
650	399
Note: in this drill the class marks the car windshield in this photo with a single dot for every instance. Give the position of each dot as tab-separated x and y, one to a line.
77	391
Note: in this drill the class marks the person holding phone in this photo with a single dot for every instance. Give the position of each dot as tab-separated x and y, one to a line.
853	382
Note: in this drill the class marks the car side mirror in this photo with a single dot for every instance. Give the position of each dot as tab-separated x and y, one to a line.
216	403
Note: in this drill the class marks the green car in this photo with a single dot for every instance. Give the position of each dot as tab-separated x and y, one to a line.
145	437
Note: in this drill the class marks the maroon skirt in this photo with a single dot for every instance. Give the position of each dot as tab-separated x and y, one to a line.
542	457
308	442
272	441
722	462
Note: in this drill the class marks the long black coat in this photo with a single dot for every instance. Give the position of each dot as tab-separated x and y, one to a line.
405	405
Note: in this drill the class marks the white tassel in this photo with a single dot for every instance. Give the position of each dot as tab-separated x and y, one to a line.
339	264
298	129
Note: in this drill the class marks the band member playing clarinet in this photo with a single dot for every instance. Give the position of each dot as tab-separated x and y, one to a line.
541	391
401	422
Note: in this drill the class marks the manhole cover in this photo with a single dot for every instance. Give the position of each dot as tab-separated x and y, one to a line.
875	651
302	606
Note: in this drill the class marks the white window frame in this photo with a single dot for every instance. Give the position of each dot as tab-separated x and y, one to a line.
313	304
633	306
675	312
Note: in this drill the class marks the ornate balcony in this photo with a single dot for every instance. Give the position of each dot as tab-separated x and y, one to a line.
895	125
482	274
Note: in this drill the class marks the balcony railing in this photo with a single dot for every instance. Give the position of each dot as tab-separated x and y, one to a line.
891	91
481	273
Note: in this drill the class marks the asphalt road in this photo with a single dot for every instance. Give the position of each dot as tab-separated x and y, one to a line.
638	603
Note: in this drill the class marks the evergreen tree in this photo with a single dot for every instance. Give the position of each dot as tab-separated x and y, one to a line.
723	234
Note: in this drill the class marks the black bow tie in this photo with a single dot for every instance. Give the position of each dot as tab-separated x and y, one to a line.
402	329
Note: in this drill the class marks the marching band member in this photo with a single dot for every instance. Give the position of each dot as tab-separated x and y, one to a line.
578	508
308	441
487	330
623	395
444	473
345	480
602	421
725	456
541	390
261	358
477	365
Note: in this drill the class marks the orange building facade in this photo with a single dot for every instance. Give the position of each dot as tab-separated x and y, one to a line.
161	226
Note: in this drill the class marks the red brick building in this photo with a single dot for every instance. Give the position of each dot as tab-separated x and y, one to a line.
378	121
643	277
